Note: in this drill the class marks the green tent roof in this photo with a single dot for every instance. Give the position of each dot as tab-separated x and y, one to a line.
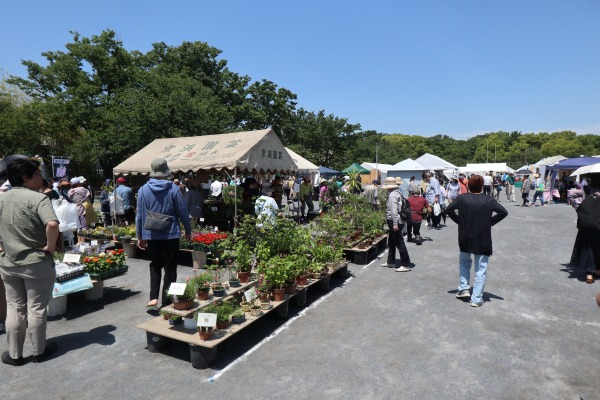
356	168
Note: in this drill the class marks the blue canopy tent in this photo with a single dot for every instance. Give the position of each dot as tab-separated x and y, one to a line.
571	164
328	172
574	163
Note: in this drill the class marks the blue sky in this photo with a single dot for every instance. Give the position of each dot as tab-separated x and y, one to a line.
424	67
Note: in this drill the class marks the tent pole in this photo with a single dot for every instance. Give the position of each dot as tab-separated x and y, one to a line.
235	172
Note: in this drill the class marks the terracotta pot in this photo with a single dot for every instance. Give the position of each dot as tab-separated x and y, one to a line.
278	294
244	276
205	332
291	288
183	305
223	325
263	296
302	280
202	294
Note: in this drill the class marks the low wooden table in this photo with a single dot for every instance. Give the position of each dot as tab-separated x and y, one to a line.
204	352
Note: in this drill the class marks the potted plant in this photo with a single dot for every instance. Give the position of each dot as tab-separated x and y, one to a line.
238	316
243	260
229	264
275	273
219	291
223	311
245	306
201	283
174	319
186	300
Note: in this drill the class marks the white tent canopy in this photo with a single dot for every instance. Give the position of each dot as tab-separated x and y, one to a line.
486	167
435	163
302	164
549	161
245	151
407	165
372	166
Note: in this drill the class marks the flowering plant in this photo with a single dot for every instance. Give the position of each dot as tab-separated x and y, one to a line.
208	239
200	281
105	261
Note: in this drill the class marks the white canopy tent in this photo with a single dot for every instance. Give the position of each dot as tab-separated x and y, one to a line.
485	167
407	169
250	151
435	163
303	166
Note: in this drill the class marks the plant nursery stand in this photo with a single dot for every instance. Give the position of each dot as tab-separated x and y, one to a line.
159	334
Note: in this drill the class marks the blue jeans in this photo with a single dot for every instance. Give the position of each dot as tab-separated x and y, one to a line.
536	195
481	264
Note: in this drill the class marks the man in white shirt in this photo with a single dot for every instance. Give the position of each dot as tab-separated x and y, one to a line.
488	182
215	188
266	208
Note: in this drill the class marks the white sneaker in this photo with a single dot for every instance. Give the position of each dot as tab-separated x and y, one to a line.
387	265
463	294
402	269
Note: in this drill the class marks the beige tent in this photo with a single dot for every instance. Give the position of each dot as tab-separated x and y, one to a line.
303	165
250	151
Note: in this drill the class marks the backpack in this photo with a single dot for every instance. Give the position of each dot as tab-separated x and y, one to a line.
405	211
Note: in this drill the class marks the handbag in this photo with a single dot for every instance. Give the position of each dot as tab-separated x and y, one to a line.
156	221
68	218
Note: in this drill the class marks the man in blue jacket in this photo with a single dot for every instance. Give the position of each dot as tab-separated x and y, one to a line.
159	232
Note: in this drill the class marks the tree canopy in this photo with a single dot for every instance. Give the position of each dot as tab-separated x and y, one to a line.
100	103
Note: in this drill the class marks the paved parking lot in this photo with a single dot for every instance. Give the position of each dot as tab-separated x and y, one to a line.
378	334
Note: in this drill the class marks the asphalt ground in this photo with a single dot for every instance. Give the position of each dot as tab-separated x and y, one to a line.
378	334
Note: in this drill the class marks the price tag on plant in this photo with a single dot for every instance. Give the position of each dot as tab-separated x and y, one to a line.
176	289
94	242
207	319
201	219
71	258
250	294
82	248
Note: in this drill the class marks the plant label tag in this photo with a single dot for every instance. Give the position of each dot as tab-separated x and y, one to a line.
207	320
201	219
126	222
216	229
94	243
71	258
250	295
297	187
93	224
176	289
82	248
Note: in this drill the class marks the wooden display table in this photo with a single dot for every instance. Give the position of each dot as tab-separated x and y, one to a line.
204	352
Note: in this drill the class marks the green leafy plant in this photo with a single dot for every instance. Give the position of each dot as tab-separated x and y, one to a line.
200	281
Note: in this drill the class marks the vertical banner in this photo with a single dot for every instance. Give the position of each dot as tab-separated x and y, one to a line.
60	166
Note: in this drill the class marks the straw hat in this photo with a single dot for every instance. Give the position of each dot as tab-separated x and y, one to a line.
389	183
398	180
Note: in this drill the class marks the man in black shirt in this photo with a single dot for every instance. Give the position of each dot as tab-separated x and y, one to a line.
475	219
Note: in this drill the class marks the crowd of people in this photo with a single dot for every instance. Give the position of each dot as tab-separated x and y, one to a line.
163	205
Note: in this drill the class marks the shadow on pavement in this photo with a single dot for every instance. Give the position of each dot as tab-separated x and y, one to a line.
79	307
